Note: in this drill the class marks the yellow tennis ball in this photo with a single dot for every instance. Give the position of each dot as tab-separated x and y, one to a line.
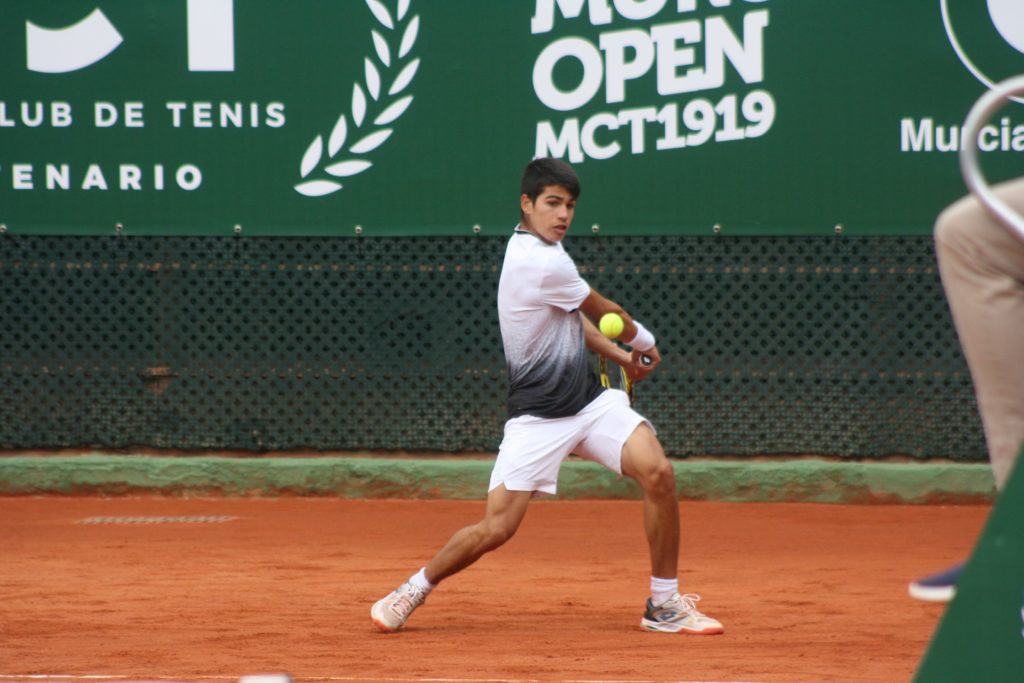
611	325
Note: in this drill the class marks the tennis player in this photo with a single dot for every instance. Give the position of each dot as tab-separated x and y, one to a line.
557	406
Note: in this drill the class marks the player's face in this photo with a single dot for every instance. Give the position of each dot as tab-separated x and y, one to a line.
551	215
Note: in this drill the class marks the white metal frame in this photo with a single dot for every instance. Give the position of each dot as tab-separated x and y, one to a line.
980	113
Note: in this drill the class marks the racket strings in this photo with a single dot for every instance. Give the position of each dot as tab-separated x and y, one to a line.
625	383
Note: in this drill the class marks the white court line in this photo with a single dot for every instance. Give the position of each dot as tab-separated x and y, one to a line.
7	678
358	679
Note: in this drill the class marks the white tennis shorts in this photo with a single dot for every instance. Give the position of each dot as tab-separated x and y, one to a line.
534	448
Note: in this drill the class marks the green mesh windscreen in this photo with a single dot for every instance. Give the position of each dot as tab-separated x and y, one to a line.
784	345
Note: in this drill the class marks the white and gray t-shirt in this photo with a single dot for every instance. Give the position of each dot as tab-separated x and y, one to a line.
539	295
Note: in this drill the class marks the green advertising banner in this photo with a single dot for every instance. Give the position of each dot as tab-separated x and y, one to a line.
415	117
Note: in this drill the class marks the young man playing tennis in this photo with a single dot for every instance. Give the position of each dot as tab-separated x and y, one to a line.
557	407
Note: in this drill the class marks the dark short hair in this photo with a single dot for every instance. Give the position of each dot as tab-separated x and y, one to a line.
541	173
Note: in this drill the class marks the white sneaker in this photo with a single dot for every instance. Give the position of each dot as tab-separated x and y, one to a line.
679	614
390	612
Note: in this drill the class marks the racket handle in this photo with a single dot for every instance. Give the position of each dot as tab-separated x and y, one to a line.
646	360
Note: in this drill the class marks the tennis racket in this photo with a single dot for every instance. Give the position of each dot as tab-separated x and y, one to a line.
624	382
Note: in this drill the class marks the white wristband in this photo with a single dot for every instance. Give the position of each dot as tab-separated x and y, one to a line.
644	340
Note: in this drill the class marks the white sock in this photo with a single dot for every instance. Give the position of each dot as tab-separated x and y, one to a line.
419	579
663	589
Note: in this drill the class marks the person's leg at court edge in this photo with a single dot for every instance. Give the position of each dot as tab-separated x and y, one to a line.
982	267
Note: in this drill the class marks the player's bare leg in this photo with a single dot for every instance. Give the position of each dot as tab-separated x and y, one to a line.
505	510
643	460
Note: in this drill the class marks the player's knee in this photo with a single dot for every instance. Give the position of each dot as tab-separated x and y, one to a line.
494	533
644	460
657	477
662	478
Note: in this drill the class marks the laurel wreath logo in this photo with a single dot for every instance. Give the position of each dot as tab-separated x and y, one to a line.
392	105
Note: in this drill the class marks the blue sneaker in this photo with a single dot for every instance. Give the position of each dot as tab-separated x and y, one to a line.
939	587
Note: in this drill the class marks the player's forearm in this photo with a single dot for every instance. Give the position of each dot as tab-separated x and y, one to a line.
596	305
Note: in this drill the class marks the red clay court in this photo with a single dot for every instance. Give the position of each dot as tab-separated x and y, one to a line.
160	588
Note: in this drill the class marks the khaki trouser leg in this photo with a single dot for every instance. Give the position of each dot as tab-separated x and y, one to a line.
982	268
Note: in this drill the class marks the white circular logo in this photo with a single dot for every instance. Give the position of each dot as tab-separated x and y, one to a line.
1008	18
